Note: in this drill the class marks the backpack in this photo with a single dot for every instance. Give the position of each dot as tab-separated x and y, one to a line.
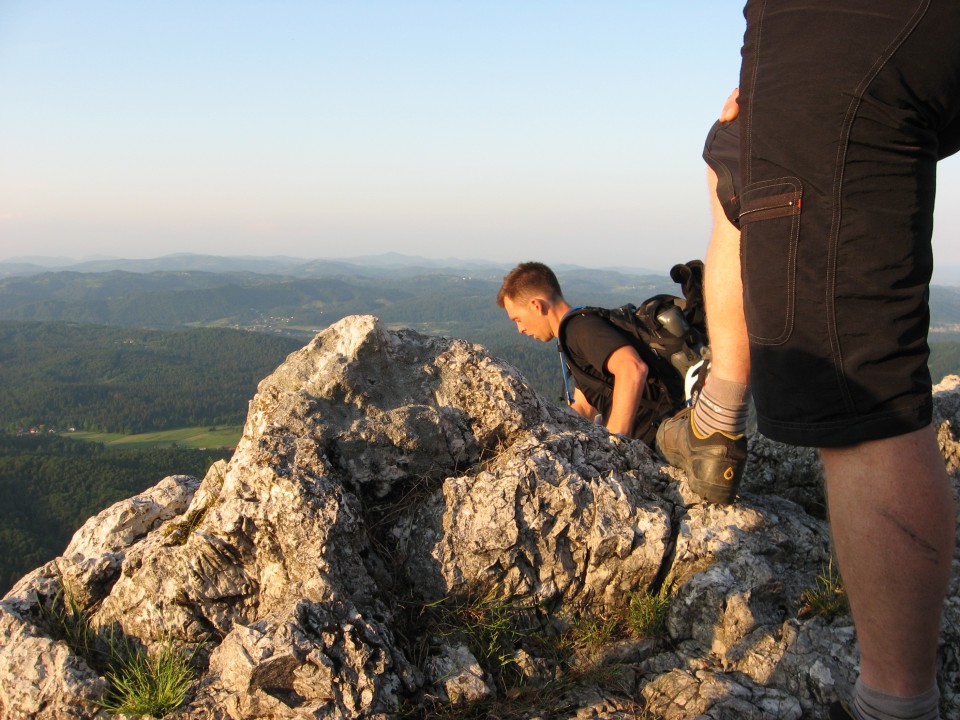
670	335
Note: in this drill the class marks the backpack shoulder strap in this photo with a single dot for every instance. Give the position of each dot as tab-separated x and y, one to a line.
580	311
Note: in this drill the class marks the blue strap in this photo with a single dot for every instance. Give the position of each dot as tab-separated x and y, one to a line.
565	371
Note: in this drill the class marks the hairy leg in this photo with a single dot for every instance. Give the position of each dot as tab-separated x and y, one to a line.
723	294
892	515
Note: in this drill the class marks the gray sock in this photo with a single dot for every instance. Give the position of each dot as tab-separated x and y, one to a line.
723	406
870	704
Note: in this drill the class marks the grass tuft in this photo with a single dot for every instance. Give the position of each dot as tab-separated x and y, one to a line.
495	627
647	613
177	533
492	626
66	621
645	616
828	597
138	683
148	684
591	632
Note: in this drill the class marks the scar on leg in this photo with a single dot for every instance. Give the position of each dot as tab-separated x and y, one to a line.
925	548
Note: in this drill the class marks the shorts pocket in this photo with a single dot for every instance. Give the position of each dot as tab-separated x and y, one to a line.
770	226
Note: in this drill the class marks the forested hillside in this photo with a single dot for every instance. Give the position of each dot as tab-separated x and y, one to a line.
119	377
444	302
49	486
132	352
104	379
282	303
944	355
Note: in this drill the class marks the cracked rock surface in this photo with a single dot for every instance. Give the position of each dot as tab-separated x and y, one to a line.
383	475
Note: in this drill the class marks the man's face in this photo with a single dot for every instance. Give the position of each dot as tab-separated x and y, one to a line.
530	317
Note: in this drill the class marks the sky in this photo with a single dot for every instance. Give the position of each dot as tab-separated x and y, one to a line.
564	131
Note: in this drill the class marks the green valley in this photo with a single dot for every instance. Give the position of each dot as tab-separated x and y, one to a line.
113	379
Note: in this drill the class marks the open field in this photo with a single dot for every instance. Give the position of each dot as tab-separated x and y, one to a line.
197	437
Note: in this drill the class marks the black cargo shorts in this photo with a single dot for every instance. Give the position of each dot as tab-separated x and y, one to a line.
845	109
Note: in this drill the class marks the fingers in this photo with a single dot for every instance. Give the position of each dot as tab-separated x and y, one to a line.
730	108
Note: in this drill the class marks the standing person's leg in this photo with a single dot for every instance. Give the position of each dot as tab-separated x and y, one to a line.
707	441
723	295
839	175
892	514
723	405
723	286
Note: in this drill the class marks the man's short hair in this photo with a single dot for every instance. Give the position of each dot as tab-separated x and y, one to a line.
527	280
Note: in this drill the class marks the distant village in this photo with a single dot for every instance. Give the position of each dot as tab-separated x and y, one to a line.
42	429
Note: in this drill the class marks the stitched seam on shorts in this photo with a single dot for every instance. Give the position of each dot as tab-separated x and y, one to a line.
747	132
833	245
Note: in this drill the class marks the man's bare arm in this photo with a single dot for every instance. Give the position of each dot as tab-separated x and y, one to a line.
630	375
582	406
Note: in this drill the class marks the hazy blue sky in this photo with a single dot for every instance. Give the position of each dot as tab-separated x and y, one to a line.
559	130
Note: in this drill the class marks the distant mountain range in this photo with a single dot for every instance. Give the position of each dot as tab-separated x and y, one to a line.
291	296
286	294
387	264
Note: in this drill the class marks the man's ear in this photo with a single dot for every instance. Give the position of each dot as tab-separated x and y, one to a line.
540	305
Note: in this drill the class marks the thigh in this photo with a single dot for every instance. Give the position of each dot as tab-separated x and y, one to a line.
843	118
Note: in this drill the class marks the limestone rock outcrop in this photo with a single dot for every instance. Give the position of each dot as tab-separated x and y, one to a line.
385	477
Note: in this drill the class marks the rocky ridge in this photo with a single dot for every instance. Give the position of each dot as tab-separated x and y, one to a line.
385	482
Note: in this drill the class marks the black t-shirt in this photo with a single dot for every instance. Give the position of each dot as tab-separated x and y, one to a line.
591	341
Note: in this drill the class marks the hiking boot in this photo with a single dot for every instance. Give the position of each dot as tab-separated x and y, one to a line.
713	464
